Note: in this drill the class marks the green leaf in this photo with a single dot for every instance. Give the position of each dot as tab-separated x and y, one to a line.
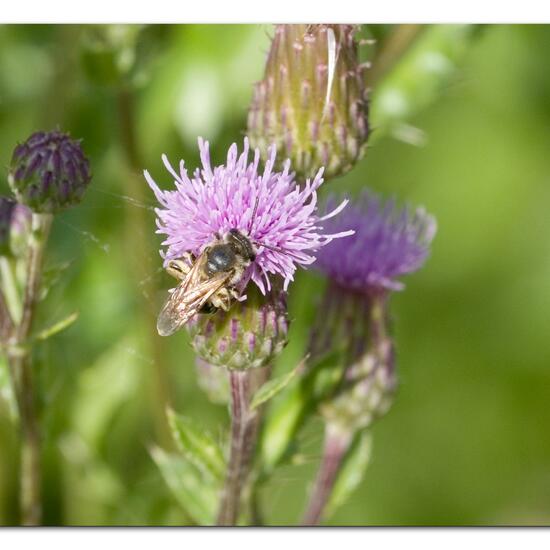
103	388
51	276
324	376
352	472
289	414
197	445
274	386
57	327
281	426
198	497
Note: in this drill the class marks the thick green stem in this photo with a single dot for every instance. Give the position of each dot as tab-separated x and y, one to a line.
31	467
19	359
244	431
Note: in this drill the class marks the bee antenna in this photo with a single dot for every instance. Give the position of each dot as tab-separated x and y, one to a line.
275	249
253	218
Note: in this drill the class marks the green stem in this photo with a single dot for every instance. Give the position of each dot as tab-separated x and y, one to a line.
9	287
19	359
244	431
41	224
372	326
6	321
336	445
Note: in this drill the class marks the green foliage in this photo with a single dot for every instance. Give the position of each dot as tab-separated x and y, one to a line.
418	80
57	327
52	276
352	472
195	477
109	52
7	397
290	412
197	446
195	495
272	387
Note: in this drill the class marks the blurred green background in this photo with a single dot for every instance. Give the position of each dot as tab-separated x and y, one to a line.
463	124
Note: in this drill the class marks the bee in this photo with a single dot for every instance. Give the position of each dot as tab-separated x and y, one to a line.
208	282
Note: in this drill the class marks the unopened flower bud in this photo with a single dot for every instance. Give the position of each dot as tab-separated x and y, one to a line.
312	101
250	335
49	172
15	226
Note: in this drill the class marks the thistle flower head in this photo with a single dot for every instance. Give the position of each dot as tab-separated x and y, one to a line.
312	99
49	172
388	242
269	207
15	225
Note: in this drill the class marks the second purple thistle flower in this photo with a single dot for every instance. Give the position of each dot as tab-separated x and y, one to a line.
389	242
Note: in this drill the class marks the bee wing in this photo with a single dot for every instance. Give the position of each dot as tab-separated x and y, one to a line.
183	304
169	317
186	301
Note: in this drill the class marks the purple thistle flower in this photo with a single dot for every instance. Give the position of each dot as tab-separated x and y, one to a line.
218	199
388	242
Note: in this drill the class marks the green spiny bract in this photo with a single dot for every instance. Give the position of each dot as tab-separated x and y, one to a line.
250	335
312	101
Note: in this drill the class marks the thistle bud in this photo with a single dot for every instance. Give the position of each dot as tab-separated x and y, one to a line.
49	172
250	335
15	226
312	100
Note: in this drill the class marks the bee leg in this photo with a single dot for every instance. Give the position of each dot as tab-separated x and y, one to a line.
235	294
222	299
177	269
180	268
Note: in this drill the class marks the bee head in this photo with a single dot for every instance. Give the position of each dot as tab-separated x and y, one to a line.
241	245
